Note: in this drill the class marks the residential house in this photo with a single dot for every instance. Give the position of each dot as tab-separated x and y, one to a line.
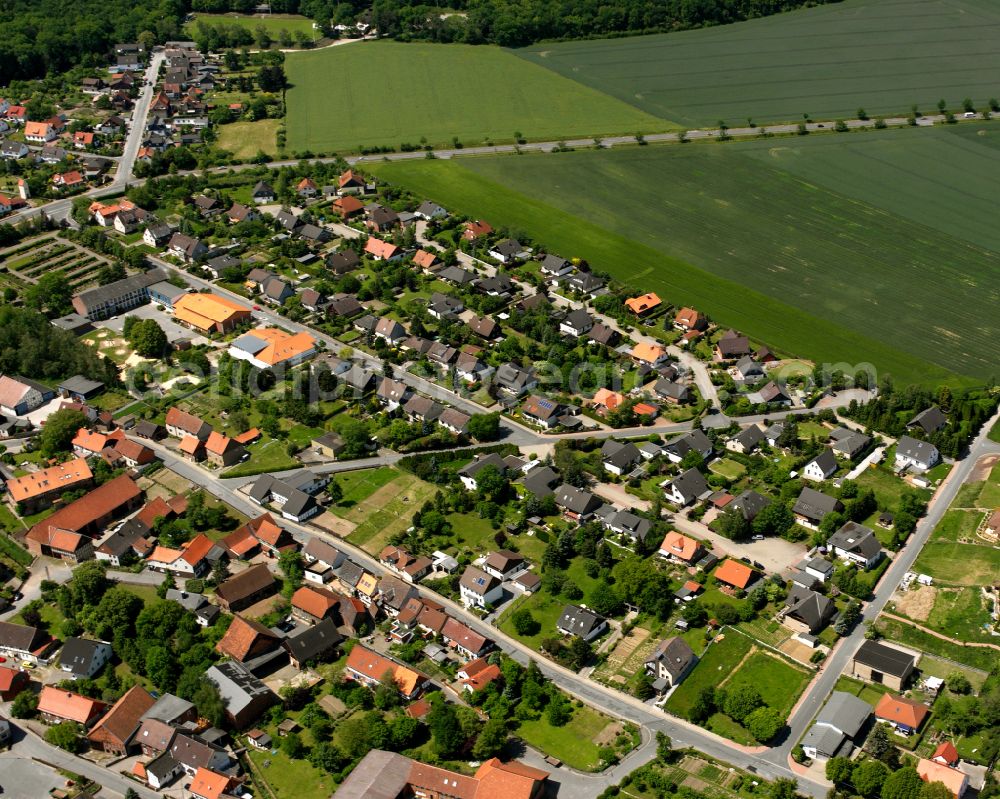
748	370
806	611
392	393
848	443
911	453
689	319
542	411
504	564
749	504
731	345
186	248
157	235
575	503
412	568
508	251
477	674
247	639
581	622
670	663
476	229
813	506
643	304
930	420
681	548
836	727
605	401
246	588
56	705
269	347
771	394
857	544
245	696
116	729
882	664
905	715
369	668
83	658
20	642
957	782
262	193
693	441
312	604
12	682
602	334
821	467
36	491
316	643
619	457
387	775
674	393
181	423
735	574
275	291
382	250
747	440
223	451
479	589
652	355
390	331
511	379
686	488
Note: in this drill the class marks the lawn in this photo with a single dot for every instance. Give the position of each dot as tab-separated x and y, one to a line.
715	665
958	525
960	613
961	564
778	681
799	218
730	469
266	455
573	743
387	511
358	485
825	61
292	779
438	93
977	657
274	24
994	433
887	487
545	609
246	139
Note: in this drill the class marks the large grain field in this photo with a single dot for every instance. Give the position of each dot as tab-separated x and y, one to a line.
827	61
874	247
385	94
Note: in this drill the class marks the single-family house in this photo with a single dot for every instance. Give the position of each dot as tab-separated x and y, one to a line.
479	589
581	622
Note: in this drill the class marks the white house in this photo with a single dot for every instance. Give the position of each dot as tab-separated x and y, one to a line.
479	589
686	488
915	454
83	658
821	467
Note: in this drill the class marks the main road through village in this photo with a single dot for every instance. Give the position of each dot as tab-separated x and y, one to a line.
769	762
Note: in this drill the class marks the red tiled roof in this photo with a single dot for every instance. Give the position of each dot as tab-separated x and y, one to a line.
122	720
900	710
67	705
100	502
734	573
241	637
317	602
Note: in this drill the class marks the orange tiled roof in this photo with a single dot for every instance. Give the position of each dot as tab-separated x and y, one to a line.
282	346
196	549
67	705
650	353
61	477
265	529
642	303
209	784
513	780
317	602
606	398
900	710
947	752
953	779
734	573
217	443
380	249
204	311
190	445
241	636
248	437
374	666
88	509
680	546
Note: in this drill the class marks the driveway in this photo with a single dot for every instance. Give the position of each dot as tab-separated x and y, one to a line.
173	330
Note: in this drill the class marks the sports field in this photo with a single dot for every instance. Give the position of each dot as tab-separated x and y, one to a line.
834	248
827	61
387	93
274	24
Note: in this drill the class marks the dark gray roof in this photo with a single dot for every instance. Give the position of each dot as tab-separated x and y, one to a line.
827	741
826	461
675	655
670	389
916	449
693	440
856	538
814	504
691	484
885	658
750	503
237	686
314	641
168	708
162	767
78	653
99	295
540	480
929	420
78	384
576	499
512	376
849	442
808	607
844	712
554	263
579	621
636	527
620	454
750	437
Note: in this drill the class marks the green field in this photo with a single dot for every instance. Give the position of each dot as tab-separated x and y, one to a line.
771	236
387	93
274	24
246	139
573	743
826	61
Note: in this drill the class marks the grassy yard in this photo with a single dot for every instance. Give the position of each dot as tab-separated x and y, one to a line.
730	469
717	664
292	779
818	61
477	93
778	681
573	743
960	613
887	487
387	511
806	213
246	139
266	455
864	691
958	525
994	433
545	609
976	657
962	564
274	24
358	485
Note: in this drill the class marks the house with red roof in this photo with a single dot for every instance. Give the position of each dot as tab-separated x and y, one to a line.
56	705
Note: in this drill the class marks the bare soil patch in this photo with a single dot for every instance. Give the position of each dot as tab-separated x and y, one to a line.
917	603
606	737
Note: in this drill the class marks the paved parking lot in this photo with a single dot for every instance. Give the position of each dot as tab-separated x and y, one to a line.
173	330
22	778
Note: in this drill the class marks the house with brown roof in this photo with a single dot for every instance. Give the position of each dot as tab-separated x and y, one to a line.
247	639
12	682
246	588
369	668
689	319
22	642
56	705
36	491
387	775
464	640
181	423
477	674
86	516
411	568
313	604
222	450
116	728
